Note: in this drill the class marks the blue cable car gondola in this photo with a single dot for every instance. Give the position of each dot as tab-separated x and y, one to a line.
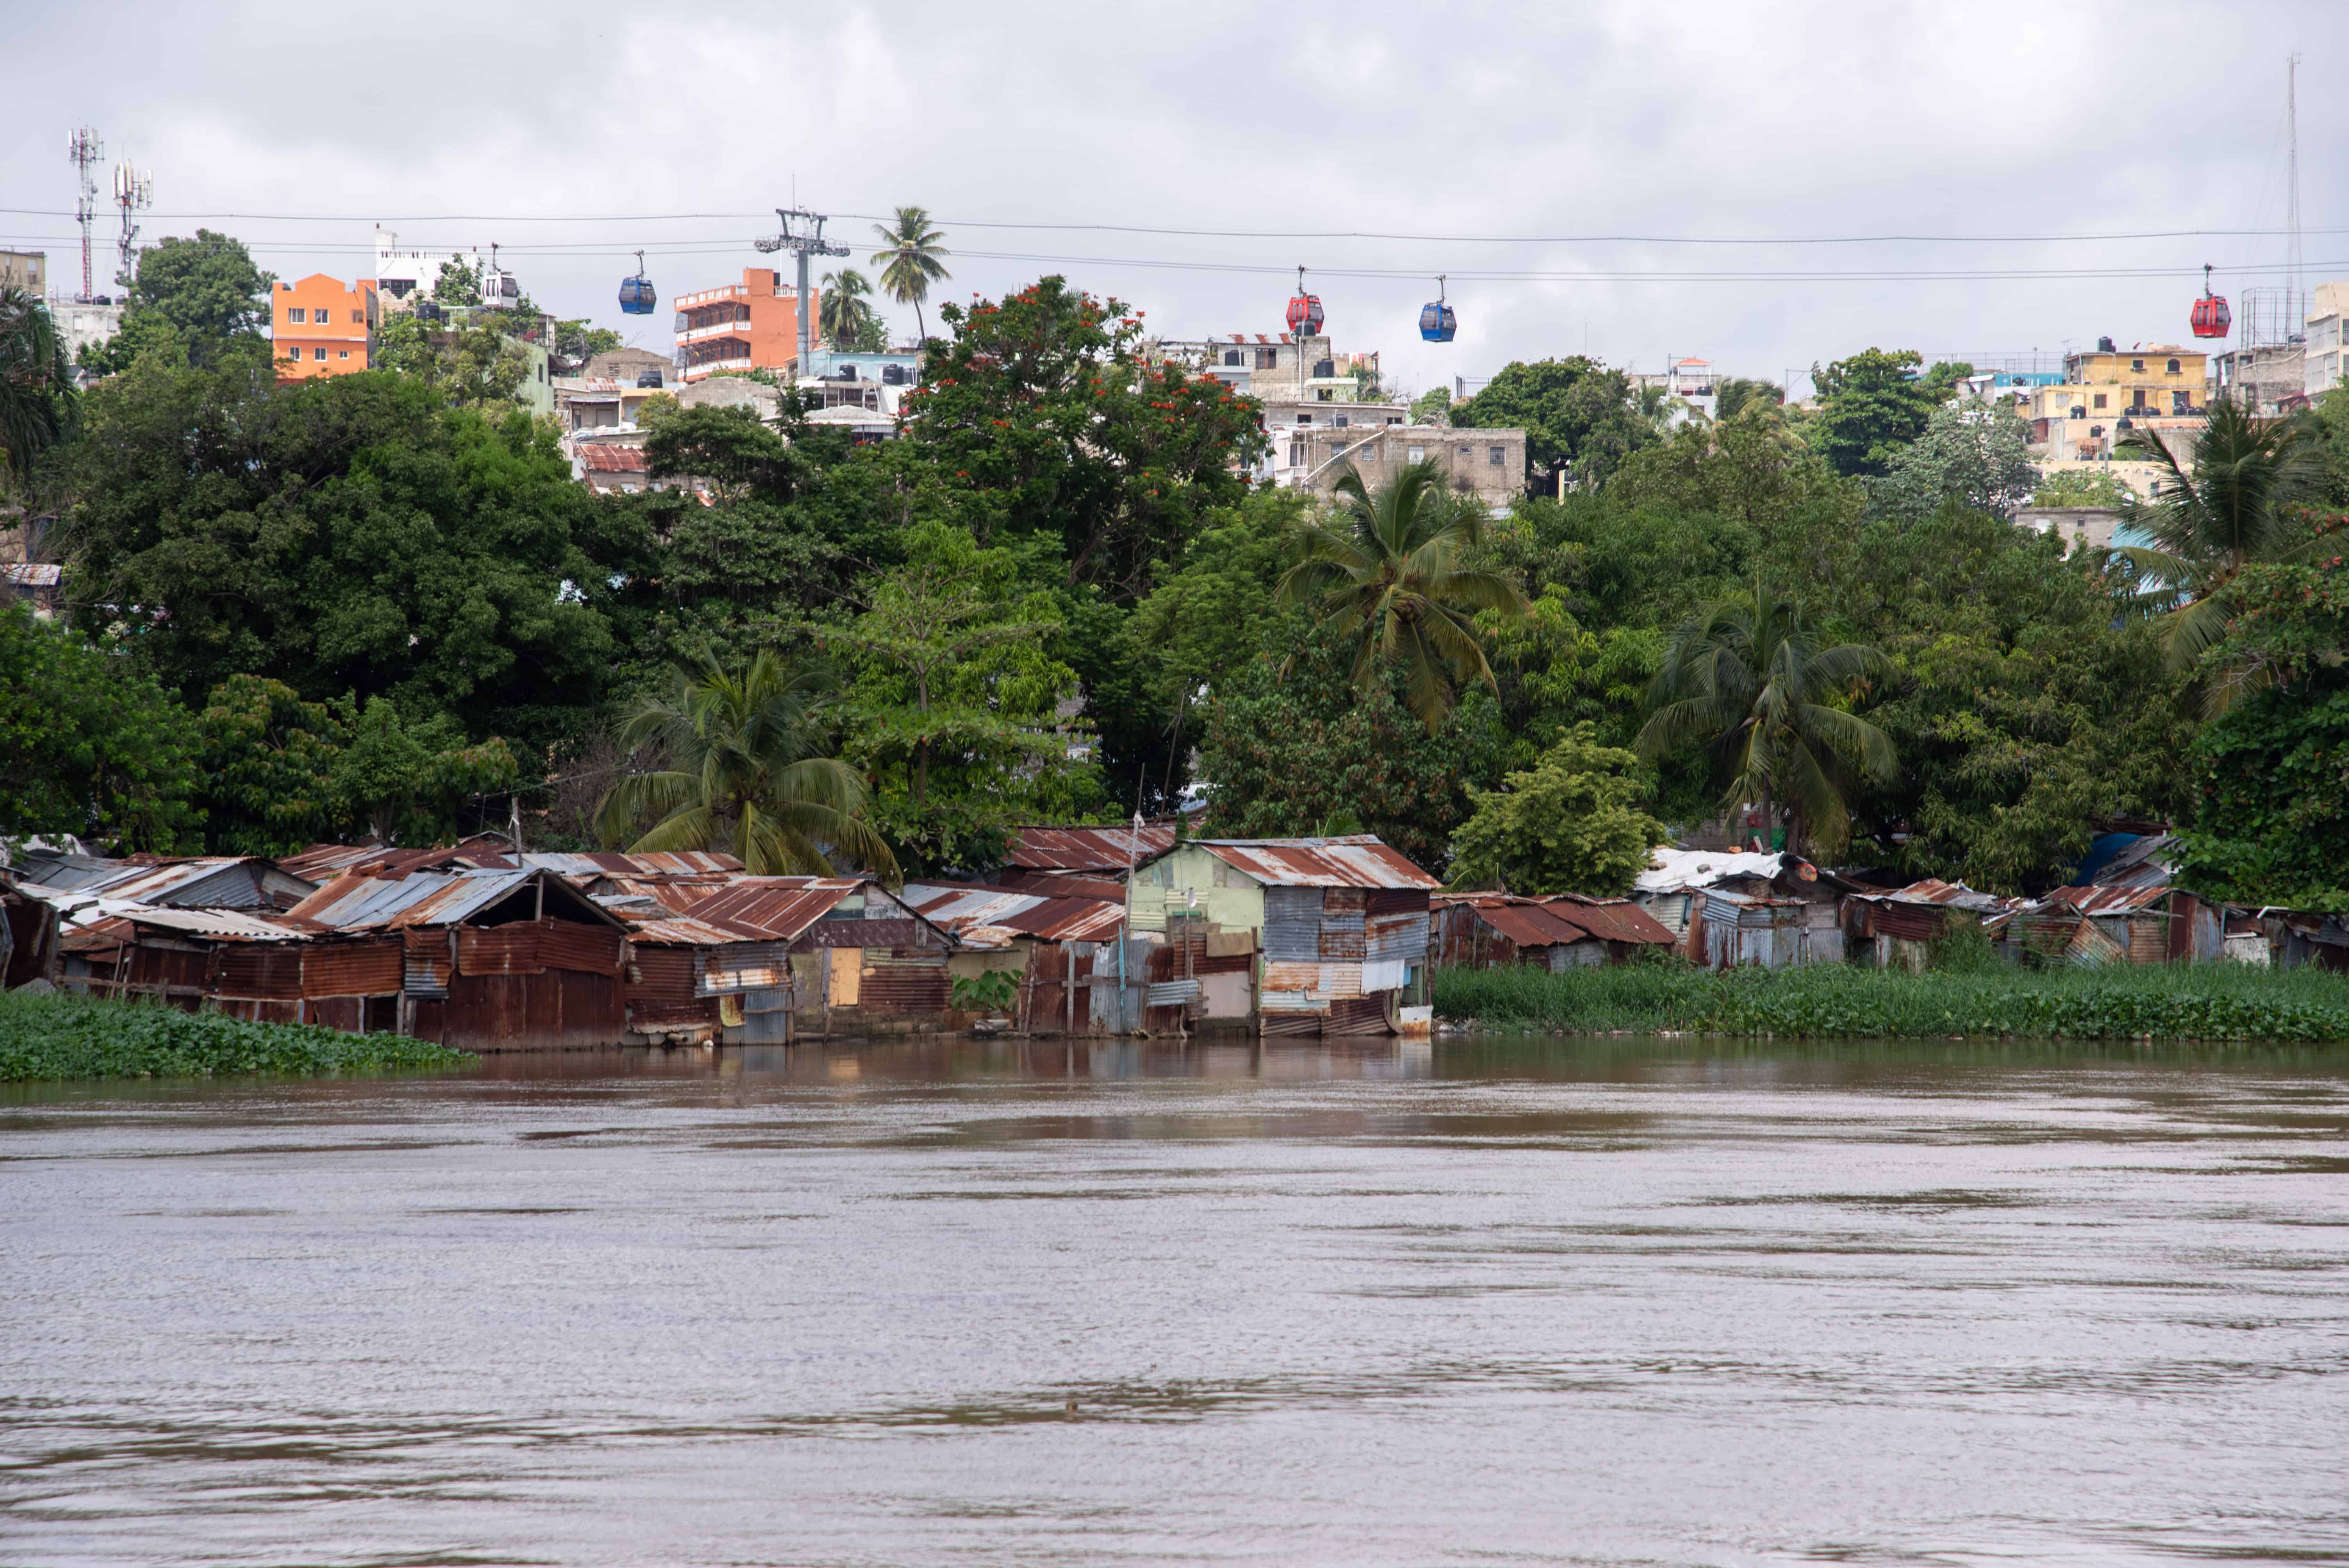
636	297
1437	320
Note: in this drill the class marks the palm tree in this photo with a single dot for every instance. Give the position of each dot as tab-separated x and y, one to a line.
2223	508
1744	677
742	771
912	260
37	388
845	307
1390	574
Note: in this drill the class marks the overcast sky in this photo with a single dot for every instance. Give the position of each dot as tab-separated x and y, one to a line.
1555	123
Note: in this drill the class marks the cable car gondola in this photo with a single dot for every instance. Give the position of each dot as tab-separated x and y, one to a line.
1437	320
636	297
1304	311
2211	317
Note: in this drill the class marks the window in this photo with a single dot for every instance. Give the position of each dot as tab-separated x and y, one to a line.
319	353
1296	454
1231	357
2181	402
1305	418
2137	365
1341	421
294	351
296	315
342	354
359	318
2100	399
1415	454
2171	367
1496	456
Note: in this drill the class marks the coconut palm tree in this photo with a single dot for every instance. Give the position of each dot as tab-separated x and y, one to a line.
912	260
1388	571
1746	678
740	744
845	307
37	388
2224	506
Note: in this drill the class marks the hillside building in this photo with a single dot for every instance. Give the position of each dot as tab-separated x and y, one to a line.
324	326
750	325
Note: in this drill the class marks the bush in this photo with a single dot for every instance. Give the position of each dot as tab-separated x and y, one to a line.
61	1036
2200	1001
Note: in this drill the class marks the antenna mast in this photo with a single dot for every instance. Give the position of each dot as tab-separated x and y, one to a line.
133	191
83	149
804	240
2298	306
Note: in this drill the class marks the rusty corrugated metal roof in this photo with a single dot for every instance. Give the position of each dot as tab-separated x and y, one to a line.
776	907
684	931
353	901
1359	859
2103	900
320	862
1951	895
966	911
1087	848
1530	924
221	924
1611	919
612	862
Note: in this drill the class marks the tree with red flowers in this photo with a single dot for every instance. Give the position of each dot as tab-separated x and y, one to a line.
1044	416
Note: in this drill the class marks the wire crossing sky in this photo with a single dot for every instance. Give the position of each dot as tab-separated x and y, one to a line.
1762	187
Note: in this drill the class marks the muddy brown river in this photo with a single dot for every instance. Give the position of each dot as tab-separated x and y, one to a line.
1487	1301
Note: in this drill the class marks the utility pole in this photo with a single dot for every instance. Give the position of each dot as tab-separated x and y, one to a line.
83	149
803	237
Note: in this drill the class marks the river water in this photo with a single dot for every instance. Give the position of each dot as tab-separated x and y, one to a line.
1498	1301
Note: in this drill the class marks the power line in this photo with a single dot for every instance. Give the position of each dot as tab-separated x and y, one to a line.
1173	231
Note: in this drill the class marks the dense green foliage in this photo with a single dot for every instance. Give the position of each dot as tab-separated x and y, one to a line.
88	746
197	301
1570	824
1874	404
37	391
62	1036
1579	418
2205	1002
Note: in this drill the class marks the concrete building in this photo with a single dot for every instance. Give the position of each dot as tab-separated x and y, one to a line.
26	270
1690	382
2327	353
1490	464
85	325
2267	378
750	325
324	326
631	365
2108	392
405	276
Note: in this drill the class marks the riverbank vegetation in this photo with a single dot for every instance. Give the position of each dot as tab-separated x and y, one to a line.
2165	1002
59	1036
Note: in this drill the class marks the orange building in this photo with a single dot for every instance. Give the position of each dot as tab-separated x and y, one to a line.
324	326
752	324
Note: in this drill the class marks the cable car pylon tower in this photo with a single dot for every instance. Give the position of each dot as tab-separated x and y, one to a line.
803	237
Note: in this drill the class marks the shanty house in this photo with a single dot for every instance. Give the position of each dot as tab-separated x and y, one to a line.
1062	950
1495	929
1080	861
490	960
1735	910
1341	929
859	960
2141	924
1896	929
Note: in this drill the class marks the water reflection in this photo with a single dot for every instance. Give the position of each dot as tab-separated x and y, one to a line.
1494	1299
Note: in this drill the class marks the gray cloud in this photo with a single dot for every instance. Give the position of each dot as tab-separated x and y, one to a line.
1704	119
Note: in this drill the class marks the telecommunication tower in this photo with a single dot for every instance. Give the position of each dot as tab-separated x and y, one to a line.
83	149
134	191
803	235
2291	191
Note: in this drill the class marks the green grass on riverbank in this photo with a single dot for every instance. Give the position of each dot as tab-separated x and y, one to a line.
68	1037
2198	1002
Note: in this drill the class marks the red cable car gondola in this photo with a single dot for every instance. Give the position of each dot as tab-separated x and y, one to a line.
2211	317
1304	311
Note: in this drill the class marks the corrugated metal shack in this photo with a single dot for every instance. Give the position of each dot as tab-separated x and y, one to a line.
1342	925
1896	929
489	960
1062	950
1731	910
1047	859
191	881
2143	924
860	961
1495	929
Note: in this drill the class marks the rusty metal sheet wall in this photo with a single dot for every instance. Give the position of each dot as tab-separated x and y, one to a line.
1910	922
498	949
589	949
1397	936
428	961
904	981
255	971
555	1009
1045	996
152	967
642	1011
1291	1024
746	966
353	968
347	1014
2148	939
1292	924
665	975
1357	1016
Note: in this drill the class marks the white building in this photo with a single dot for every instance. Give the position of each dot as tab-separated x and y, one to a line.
2323	363
401	273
